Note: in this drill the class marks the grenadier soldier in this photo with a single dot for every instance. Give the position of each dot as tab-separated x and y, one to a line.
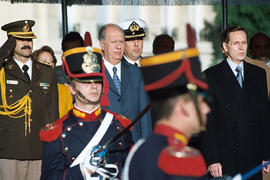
173	86
134	30
29	100
69	141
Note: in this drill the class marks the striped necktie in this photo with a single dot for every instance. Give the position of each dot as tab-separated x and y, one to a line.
116	80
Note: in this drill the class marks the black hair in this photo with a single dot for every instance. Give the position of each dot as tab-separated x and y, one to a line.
72	37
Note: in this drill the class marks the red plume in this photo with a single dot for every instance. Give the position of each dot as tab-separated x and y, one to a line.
104	101
87	39
191	36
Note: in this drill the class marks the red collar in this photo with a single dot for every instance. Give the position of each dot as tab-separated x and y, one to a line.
175	137
86	116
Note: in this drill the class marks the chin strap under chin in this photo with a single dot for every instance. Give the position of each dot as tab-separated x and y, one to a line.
192	89
78	93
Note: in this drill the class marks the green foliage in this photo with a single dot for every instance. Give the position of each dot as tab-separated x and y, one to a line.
253	18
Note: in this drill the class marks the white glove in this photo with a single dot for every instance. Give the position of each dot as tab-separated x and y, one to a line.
237	177
95	162
86	168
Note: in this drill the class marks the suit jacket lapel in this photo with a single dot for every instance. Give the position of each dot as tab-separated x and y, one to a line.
248	76
229	76
124	77
111	83
229	80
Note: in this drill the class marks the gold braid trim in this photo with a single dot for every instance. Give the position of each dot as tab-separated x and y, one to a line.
12	110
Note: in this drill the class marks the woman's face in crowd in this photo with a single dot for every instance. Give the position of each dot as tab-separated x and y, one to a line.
47	58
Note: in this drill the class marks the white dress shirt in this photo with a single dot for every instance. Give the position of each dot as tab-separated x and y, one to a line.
110	66
233	67
133	62
29	64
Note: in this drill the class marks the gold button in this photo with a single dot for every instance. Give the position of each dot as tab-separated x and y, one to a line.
30	91
118	128
120	144
10	90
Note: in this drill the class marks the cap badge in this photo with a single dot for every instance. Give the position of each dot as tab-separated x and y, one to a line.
134	26
90	64
26	28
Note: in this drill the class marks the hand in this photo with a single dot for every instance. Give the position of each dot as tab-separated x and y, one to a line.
86	168
215	170
7	48
266	169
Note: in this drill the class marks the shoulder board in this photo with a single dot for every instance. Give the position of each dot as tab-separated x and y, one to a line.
121	118
182	163
52	131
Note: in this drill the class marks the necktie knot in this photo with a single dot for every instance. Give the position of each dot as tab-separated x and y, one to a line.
238	69
114	70
25	68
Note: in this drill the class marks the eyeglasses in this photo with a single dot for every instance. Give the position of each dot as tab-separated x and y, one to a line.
237	43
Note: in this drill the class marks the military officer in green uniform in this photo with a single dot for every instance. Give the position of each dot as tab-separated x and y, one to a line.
29	100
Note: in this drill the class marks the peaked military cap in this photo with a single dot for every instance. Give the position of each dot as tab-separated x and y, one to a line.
133	28
20	29
85	64
172	74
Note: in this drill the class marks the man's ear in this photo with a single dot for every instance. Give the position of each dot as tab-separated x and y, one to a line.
224	47
181	107
184	109
101	43
70	89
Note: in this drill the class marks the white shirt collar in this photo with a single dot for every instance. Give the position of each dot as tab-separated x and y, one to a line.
133	62
110	66
29	64
233	66
88	112
268	63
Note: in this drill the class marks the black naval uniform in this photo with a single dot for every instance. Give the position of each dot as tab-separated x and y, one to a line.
16	141
69	136
150	159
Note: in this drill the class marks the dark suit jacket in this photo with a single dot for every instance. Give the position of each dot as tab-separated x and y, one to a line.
133	99
44	104
238	124
60	75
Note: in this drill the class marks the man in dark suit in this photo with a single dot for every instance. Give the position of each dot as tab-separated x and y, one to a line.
126	93
181	112
29	100
134	34
236	136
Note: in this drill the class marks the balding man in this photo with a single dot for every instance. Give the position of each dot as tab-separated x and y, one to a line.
126	92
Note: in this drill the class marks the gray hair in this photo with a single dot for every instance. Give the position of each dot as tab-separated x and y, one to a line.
102	31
